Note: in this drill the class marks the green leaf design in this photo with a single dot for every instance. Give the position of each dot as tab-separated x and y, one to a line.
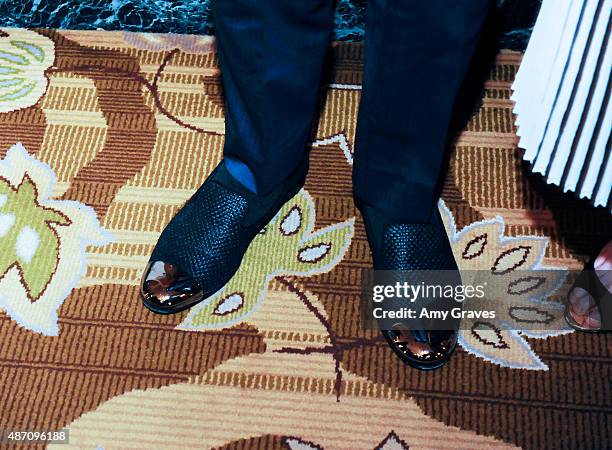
27	239
33	50
24	57
286	246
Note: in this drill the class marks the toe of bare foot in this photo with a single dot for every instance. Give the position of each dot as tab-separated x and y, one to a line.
583	309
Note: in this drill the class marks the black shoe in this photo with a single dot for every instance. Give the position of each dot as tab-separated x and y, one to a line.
401	247
203	245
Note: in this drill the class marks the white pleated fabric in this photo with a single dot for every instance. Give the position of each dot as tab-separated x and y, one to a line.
562	98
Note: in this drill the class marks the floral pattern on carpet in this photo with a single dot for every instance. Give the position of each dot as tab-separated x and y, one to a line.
278	358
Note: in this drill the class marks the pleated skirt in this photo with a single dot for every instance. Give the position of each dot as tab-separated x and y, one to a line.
562	98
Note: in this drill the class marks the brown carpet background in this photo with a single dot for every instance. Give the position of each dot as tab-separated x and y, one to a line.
131	124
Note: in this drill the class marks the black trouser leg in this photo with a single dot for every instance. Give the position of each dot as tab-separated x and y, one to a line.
271	54
416	56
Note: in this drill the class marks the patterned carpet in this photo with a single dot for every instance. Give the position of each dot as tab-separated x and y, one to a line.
104	135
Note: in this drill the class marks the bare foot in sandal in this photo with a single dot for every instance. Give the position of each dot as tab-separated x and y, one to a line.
583	308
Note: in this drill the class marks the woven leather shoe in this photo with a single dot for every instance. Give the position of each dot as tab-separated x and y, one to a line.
414	247
203	245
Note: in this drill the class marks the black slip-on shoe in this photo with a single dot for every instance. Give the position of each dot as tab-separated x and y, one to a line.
403	247
203	245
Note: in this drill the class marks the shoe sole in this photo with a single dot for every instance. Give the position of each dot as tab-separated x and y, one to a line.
173	310
419	365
